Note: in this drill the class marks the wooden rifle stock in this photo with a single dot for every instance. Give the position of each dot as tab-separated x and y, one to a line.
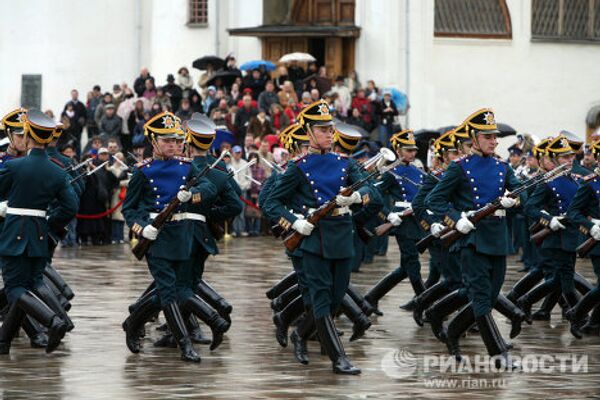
388	226
292	241
539	237
363	233
584	248
143	244
424	243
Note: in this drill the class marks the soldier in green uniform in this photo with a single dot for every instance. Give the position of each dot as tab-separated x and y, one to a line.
314	180
30	184
584	211
548	204
153	185
469	184
402	183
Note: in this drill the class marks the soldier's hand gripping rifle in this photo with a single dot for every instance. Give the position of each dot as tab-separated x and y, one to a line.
424	243
143	244
490	208
541	234
292	241
387	226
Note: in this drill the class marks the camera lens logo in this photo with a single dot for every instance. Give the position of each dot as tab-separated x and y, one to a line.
399	363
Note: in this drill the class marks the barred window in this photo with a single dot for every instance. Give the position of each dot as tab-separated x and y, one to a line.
472	18
198	12
568	20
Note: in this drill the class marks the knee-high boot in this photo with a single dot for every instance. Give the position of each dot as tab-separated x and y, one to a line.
134	324
44	293
285	317
177	326
37	337
512	312
280	287
36	308
12	322
382	287
279	302
359	320
525	284
214	299
59	281
427	298
333	346
493	341
456	328
577	314
210	317
440	310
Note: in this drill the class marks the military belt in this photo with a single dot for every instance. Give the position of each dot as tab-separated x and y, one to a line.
336	211
404	204
183	216
26	212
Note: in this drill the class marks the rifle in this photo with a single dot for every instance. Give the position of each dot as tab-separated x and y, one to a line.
387	226
490	208
539	237
143	244
584	248
78	166
292	241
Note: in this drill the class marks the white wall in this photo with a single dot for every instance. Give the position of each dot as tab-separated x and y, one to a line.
539	88
45	37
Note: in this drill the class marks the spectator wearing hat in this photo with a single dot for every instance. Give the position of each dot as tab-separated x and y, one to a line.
173	92
211	96
111	124
243	181
386	111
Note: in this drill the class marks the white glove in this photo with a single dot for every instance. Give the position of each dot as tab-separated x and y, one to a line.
436	229
595	232
3	209
595	221
555	224
184	195
394	218
150	232
303	227
464	225
507	202
344	201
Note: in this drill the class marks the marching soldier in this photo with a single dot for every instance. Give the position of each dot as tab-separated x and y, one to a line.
153	185
402	183
469	184
584	211
313	180
548	204
30	184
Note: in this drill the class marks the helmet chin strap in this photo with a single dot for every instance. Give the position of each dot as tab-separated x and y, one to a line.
156	148
314	138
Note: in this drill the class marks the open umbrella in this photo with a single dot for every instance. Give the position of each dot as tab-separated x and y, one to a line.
227	77
250	65
222	136
203	62
301	57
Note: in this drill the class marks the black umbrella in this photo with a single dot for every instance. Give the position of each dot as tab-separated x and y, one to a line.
203	62
227	77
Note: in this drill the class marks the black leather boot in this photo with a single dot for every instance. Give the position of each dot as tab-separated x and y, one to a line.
3	299
48	297
64	303
59	281
166	341
285	298
12	322
494	343
582	285
214	299
456	328
427	298
360	322
545	311
525	284
210	317
33	306
382	287
418	287
37	337
577	314
194	329
177	326
592	326
150	288
134	324
333	346
300	335
533	296
359	299
281	286
512	312
444	307
284	319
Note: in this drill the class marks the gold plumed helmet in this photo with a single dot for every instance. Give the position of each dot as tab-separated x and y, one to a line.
39	126
346	136
445	143
292	137
404	139
559	146
539	150
595	148
481	121
164	125
14	121
200	131
316	113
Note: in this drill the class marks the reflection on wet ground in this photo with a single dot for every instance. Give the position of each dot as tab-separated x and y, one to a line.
94	362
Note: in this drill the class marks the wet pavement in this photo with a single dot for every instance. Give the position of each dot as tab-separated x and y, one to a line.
398	358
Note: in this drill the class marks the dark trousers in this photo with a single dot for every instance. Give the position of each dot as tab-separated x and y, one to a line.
165	274
190	274
22	273
327	281
302	284
409	258
483	275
